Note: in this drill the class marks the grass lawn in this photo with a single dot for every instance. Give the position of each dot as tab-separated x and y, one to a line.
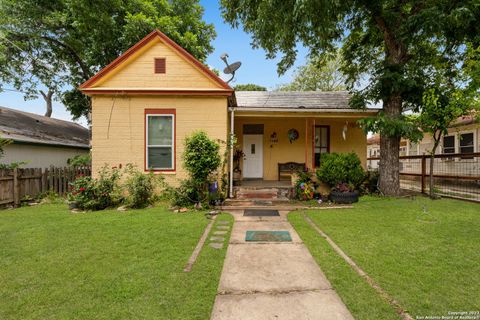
105	265
424	253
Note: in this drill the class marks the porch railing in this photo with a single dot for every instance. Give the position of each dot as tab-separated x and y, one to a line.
455	175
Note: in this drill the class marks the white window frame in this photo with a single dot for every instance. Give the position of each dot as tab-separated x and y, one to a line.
172	145
459	138
454	143
408	148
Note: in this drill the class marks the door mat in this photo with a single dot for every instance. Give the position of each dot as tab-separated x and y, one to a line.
260	213
268	236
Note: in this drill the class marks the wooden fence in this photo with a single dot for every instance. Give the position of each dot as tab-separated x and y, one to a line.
17	184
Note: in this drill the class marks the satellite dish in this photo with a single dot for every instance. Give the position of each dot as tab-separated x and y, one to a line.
231	68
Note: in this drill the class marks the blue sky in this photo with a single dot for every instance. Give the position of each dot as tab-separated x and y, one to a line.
256	68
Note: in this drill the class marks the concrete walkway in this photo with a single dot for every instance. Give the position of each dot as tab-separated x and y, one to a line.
273	280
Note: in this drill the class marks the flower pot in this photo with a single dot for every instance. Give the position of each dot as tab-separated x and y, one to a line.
343	197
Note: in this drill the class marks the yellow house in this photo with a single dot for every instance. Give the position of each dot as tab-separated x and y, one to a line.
149	99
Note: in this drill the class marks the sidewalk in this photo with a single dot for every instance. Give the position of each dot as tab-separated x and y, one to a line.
273	280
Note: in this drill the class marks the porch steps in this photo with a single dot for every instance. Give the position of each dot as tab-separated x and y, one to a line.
266	194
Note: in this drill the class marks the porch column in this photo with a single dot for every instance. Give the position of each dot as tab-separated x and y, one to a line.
230	182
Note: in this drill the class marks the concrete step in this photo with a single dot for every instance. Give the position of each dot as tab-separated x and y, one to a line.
255	193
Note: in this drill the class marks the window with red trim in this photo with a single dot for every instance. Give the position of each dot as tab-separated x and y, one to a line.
160	141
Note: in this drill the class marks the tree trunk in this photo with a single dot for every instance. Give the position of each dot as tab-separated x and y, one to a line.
48	101
389	151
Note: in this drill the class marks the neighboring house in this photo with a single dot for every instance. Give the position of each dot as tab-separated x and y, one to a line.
463	137
149	99
40	141
373	150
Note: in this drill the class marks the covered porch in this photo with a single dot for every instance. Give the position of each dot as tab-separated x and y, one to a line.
273	129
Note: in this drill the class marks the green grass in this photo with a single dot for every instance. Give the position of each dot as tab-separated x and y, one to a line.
424	253
105	265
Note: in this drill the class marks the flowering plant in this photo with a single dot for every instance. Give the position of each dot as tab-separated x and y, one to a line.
304	186
96	194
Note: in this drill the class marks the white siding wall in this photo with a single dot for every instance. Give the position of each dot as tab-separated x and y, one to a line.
39	156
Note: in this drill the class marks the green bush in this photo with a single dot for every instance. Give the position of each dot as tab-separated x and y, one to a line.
187	193
341	168
80	160
201	157
97	194
141	187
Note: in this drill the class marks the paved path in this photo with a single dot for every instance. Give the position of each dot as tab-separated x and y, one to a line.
271	280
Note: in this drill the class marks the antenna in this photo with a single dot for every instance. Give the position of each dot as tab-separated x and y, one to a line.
231	68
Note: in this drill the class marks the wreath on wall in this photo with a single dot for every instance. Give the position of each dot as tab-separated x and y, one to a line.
293	135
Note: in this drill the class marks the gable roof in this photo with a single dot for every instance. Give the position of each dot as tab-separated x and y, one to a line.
26	127
295	100
156	34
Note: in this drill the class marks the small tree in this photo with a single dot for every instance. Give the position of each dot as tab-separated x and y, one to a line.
249	87
319	74
201	158
441	107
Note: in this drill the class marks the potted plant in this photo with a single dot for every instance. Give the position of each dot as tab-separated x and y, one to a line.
343	173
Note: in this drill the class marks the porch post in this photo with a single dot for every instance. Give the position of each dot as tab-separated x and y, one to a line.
230	182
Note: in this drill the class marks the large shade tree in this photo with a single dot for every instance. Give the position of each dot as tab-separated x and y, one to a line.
69	41
388	49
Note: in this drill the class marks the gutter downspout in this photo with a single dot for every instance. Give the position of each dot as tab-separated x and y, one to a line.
230	182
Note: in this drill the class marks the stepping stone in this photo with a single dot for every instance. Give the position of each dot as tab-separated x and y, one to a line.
216	245
221	239
223	227
219	233
223	222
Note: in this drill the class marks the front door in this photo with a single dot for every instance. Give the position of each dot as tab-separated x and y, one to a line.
253	159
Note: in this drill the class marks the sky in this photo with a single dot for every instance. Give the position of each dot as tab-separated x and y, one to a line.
256	68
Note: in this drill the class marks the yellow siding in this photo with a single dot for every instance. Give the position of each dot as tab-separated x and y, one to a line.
119	139
138	71
284	151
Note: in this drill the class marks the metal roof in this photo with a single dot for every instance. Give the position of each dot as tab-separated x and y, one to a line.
26	127
314	100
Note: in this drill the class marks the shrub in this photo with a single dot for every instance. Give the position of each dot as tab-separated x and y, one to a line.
186	194
202	160
201	157
345	168
141	187
80	160
97	194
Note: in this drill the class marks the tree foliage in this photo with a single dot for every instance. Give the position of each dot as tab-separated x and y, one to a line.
390	49
319	74
249	87
62	43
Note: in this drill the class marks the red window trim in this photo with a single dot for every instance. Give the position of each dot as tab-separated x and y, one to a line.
167	112
313	141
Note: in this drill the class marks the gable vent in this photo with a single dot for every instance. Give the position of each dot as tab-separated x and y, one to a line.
160	65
